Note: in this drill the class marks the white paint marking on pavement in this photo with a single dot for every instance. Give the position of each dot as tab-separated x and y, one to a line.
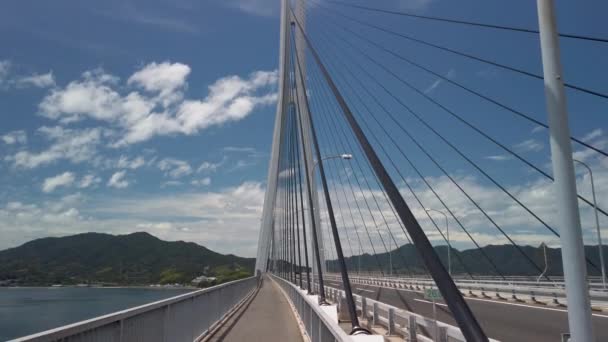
366	290
529	306
497	302
428	301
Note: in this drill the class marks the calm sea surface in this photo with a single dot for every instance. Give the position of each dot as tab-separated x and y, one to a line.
25	311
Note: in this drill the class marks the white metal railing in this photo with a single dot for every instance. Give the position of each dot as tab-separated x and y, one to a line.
320	322
521	291
400	322
186	317
594	282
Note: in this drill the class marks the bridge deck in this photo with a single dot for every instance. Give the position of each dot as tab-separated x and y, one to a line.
267	318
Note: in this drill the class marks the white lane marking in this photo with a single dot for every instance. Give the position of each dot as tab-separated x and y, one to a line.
499	302
426	301
531	306
366	290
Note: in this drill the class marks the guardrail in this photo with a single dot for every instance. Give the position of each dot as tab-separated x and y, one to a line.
594	282
491	290
320	322
186	317
400	322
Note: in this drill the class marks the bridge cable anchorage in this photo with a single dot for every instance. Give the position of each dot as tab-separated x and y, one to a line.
459	53
356	328
419	118
307	167
358	97
454	114
462	313
333	142
464	22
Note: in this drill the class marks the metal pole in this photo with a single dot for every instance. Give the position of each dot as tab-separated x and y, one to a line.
546	263
573	256
447	228
597	223
390	259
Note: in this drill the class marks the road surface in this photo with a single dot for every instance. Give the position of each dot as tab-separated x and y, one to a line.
501	320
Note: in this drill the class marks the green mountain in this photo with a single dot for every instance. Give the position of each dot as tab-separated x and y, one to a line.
507	259
137	258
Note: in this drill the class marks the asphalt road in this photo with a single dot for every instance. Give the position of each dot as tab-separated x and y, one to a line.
501	320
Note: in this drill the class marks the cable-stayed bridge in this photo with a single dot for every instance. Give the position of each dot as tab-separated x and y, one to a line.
398	204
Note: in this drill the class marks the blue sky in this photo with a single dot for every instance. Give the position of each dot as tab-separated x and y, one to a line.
122	116
76	79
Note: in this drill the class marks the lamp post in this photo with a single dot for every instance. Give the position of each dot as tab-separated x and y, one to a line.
345	156
544	246
597	222
447	229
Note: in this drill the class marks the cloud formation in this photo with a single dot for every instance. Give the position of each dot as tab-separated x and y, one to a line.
75	145
118	180
63	180
156	104
203	217
14	137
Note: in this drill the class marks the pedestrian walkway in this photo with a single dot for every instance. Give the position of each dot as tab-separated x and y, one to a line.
267	318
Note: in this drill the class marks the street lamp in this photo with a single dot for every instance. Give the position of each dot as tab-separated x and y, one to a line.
345	156
597	222
447	228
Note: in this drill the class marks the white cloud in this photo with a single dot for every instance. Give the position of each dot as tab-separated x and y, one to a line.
538	129
5	66
415	4
255	7
8	78
66	144
89	181
239	149
36	80
529	145
595	138
205	217
175	168
207	166
125	163
171	183
596	133
161	109
164	78
201	182
117	180
14	137
92	97
500	157
65	179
